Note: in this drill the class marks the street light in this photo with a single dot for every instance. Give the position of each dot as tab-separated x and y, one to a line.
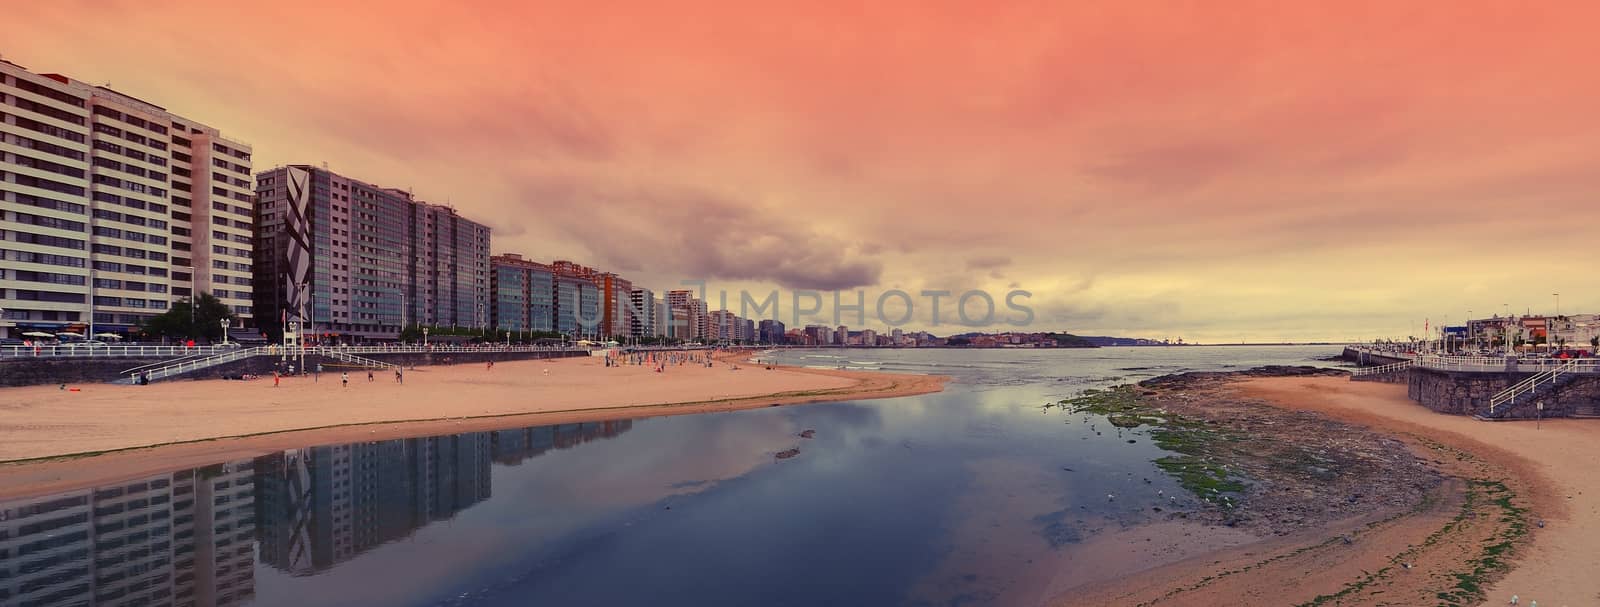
224	323
424	337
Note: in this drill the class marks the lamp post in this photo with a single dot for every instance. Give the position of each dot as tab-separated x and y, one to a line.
424	338
224	323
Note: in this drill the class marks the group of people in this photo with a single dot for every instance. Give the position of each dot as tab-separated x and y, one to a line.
344	376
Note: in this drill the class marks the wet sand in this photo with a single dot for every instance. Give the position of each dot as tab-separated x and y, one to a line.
45	432
1550	470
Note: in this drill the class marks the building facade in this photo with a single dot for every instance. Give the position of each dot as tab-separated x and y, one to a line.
642	316
348	260
113	208
524	293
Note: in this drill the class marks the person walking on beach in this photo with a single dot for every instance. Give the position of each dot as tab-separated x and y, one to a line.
318	375
369	376
344	378
398	378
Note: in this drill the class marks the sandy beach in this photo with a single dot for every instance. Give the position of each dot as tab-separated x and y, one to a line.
45	432
1410	555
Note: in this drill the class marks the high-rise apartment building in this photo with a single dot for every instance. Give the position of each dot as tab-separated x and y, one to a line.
772	331
642	313
348	259
524	294
688	317
112	208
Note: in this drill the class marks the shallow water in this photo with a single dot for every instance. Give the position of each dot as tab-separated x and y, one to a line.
970	496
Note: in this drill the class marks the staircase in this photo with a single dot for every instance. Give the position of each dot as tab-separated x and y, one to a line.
188	364
1528	391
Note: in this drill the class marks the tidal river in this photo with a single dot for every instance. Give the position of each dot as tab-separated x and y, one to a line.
979	495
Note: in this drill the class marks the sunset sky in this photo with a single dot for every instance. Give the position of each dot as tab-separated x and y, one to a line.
1217	171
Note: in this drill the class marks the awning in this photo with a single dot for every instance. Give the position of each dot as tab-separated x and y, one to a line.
38	334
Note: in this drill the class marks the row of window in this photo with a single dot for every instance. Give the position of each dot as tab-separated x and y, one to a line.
132	203
44	277
108	249
41	258
42	109
45	221
106	129
46	129
48	203
137	171
131	268
42	146
42	183
129	285
240	154
50	93
129	302
155	159
129	218
108	180
135	236
101	110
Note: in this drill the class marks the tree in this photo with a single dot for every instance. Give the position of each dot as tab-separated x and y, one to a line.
190	320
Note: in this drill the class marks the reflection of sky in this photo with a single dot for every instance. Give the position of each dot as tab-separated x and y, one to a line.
890	493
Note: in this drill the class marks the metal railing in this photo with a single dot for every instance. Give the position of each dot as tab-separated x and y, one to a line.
109	351
1381	369
351	358
1530	385
195	364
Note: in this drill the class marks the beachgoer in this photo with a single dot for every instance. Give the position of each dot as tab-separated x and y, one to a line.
318	374
275	379
344	378
369	376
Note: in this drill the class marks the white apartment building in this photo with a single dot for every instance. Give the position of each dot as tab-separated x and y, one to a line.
112	208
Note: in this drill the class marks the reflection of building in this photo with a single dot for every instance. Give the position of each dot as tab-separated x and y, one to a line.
172	539
512	447
321	506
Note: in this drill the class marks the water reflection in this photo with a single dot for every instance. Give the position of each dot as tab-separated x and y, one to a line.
190	538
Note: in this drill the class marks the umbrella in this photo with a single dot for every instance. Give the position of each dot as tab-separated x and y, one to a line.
68	334
38	334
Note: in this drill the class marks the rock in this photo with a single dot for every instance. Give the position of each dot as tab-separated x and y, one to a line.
808	434
788	453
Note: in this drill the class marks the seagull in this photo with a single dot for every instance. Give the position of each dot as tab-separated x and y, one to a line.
1110	497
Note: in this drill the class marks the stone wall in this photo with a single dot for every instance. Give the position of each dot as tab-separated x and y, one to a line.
36	371
1469	393
1401	376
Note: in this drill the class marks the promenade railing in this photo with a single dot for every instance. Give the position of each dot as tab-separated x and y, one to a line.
155	351
1381	369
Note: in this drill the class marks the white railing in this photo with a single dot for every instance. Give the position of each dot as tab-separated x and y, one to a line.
109	351
196	364
345	353
1380	369
1530	385
121	351
337	354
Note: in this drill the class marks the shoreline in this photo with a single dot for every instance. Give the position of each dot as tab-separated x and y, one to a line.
587	391
1509	515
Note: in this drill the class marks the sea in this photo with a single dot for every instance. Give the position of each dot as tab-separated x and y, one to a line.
983	494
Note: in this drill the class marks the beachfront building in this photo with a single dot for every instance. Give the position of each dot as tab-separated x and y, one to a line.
524	293
352	261
642	316
112	208
772	331
687	315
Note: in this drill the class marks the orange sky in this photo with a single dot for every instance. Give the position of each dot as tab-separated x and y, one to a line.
1210	170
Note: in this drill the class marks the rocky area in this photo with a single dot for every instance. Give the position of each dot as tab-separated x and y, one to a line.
1272	471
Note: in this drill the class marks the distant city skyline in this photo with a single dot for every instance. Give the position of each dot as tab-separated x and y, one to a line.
1220	173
